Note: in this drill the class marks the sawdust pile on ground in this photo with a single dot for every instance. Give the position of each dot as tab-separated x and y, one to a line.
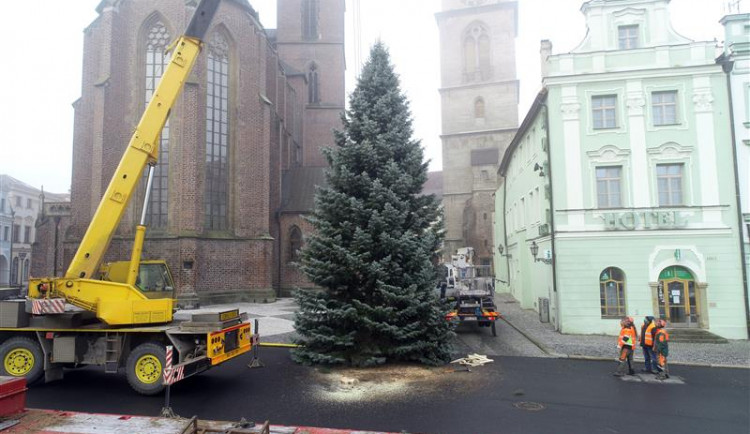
391	381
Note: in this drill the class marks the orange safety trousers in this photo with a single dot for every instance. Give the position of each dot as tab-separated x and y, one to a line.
624	353
662	360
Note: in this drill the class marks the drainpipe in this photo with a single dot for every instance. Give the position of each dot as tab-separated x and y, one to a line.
505	233
552	218
727	66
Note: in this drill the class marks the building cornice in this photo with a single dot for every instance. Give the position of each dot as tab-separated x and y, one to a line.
474	85
478	132
639	74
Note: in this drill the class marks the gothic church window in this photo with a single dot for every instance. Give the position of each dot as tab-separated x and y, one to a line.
476	53
216	194
157	39
295	243
310	9
313	95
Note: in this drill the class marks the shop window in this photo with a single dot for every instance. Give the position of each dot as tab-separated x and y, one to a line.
612	292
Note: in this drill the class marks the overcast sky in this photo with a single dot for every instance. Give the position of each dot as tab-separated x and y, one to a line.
41	73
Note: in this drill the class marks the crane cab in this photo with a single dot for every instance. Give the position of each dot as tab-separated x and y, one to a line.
154	277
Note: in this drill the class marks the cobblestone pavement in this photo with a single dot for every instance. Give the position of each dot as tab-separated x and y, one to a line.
735	353
519	334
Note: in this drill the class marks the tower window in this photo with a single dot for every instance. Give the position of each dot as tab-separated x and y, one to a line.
310	9
477	53
313	96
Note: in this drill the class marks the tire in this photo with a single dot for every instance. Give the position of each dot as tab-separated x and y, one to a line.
494	329
145	368
22	357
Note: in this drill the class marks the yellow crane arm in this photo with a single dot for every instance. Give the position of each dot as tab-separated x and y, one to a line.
142	149
118	303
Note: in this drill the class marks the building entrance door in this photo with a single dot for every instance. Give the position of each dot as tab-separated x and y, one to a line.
677	298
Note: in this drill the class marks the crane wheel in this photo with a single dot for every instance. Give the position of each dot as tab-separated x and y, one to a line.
22	357
145	368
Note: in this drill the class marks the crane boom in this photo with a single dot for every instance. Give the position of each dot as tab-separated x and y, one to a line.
123	303
143	147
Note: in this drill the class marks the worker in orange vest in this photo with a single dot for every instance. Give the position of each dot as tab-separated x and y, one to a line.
661	349
647	343
625	344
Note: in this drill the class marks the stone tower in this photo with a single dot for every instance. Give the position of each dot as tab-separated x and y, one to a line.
479	104
310	44
310	41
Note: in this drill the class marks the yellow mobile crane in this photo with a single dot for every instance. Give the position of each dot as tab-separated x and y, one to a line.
94	316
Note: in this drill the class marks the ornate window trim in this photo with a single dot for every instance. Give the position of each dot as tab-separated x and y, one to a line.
610	156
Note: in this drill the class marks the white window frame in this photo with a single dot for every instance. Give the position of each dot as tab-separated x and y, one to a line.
669	178
608	181
604	110
659	108
671	153
636	34
608	156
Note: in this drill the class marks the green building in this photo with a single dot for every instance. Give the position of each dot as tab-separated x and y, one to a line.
618	193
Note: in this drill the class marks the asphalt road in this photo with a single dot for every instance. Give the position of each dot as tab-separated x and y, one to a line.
576	396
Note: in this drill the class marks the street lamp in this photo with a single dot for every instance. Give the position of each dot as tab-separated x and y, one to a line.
535	251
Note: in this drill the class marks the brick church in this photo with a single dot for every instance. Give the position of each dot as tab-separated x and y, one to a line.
239	156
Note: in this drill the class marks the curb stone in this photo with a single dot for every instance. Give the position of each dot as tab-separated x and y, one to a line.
554	354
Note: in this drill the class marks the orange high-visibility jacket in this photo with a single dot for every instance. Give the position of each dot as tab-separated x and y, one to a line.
627	331
661	346
648	337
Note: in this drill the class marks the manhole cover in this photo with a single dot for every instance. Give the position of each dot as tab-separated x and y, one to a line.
529	406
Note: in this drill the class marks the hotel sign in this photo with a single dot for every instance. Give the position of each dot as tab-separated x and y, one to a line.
643	220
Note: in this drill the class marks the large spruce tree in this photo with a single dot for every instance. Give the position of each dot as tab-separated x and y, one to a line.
376	239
